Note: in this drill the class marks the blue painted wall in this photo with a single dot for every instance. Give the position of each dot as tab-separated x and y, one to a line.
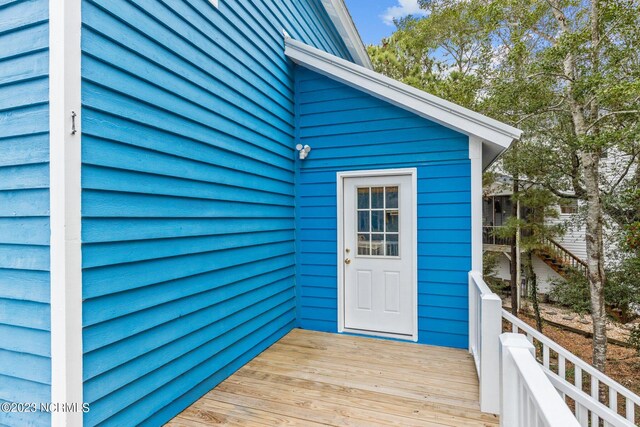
25	364
350	130
188	195
191	193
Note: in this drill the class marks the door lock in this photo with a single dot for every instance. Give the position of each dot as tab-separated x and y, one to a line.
347	261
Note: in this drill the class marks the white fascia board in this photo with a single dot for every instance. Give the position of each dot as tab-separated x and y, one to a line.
65	198
343	22
446	113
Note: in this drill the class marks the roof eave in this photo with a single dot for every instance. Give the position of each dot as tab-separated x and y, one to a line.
343	22
404	96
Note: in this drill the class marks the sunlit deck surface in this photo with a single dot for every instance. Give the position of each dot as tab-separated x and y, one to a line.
313	378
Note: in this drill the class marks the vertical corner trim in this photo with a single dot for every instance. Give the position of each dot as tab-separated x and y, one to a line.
475	155
65	136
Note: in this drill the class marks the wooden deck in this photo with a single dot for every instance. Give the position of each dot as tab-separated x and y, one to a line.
313	378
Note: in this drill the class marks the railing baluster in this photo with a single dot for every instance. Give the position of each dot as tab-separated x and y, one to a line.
631	410
562	370
545	355
613	399
588	408
595	392
522	397
578	377
582	415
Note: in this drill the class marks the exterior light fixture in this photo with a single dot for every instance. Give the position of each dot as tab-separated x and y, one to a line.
303	151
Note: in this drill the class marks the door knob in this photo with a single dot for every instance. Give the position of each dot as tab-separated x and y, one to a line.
347	261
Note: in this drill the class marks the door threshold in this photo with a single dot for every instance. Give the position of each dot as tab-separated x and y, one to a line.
365	332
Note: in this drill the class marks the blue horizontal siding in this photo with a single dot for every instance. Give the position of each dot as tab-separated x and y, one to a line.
174	375
188	201
350	130
25	346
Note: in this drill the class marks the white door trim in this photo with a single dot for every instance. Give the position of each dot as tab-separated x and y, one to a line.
413	172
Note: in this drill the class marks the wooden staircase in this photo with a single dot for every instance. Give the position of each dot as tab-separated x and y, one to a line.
557	257
560	259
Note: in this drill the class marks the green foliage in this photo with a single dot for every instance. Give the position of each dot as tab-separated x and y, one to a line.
632	237
537	205
403	61
623	286
506	59
488	179
448	53
540	205
489	266
573	292
634	339
622	290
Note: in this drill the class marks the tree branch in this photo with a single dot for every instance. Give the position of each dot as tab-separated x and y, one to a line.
543	35
623	175
613	113
551	189
562	194
543	73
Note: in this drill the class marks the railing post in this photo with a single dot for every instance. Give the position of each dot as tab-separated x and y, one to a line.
510	409
491	327
473	316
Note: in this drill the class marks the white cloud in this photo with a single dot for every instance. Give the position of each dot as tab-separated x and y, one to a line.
404	8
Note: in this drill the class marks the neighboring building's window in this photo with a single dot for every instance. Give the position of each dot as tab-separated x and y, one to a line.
569	207
378	216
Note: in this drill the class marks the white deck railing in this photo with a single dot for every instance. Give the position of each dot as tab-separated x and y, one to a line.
485	324
580	382
528	399
531	365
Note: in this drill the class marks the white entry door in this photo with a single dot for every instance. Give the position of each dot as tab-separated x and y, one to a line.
378	255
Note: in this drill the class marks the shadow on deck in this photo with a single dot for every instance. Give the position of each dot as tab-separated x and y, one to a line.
312	378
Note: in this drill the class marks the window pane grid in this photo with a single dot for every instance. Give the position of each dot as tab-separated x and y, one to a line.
377	212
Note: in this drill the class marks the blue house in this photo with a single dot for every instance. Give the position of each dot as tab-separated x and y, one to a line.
183	183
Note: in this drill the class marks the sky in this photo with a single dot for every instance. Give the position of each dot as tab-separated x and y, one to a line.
374	18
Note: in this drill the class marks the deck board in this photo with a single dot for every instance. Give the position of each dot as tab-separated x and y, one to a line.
313	378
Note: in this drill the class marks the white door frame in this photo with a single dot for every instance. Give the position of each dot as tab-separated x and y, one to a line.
413	172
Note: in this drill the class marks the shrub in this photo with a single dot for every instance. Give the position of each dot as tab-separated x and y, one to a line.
632	236
621	292
623	287
489	266
634	339
573	292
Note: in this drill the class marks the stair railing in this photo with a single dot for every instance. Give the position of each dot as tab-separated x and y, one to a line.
527	397
564	255
571	375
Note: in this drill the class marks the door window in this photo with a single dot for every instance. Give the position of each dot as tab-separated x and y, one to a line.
378	221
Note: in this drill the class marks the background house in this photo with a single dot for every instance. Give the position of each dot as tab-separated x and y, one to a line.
549	264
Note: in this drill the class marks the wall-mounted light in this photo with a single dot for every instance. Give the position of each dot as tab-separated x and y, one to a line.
303	151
